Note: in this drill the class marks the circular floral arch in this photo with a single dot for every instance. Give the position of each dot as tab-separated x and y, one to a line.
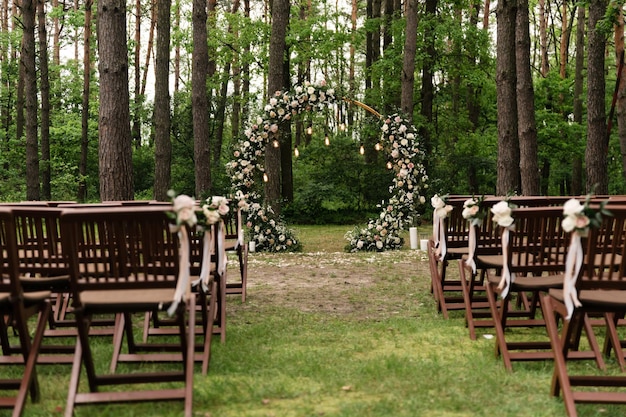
398	139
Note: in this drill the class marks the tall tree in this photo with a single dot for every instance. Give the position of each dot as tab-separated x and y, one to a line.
427	93
527	128
408	64
508	144
621	96
199	99
577	108
137	99
30	97
162	121
115	149
275	82
220	108
597	141
44	91
84	112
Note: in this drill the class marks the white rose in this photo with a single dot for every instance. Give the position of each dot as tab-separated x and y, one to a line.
437	202
572	207
442	212
501	210
569	223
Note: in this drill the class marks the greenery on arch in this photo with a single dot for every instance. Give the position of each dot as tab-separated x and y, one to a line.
269	232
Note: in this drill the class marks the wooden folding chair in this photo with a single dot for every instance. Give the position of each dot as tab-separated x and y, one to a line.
210	307
452	245
16	307
235	242
601	289
535	255
125	260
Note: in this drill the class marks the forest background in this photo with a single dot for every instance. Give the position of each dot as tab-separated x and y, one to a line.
507	97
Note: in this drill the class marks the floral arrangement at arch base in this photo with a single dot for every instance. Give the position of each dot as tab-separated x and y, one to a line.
399	139
246	171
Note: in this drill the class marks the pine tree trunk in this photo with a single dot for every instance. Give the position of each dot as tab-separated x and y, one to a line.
115	150
527	129
84	135
162	122
275	82
408	63
30	100
508	144
44	92
597	141
577	162
199	99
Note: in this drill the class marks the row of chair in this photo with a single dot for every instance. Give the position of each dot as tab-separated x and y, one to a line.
515	278
86	271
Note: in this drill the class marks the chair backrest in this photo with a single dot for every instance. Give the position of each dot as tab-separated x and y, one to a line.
39	241
9	273
604	264
538	242
120	247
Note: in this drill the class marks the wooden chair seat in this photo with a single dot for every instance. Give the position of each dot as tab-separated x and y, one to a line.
532	283
59	283
139	300
600	300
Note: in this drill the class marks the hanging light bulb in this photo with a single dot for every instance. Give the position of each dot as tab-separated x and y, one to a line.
362	150
275	143
309	130
265	178
389	165
326	141
378	147
296	152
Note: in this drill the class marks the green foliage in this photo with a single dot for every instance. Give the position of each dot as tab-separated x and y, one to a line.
333	184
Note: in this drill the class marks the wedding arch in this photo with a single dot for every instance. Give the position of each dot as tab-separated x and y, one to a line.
398	139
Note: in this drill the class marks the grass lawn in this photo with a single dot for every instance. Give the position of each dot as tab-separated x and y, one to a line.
328	333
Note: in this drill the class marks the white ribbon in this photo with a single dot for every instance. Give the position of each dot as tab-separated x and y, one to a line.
439	235
471	248
573	263
239	230
182	284
507	276
208	244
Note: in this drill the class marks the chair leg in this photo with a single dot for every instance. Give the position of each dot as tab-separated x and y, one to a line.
206	356
560	378
242	254
190	356
498	314
30	350
74	379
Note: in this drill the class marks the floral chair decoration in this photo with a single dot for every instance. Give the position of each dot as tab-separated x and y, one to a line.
473	212
184	210
502	215
578	218
440	212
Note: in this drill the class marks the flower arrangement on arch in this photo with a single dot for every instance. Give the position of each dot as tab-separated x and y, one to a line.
399	138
